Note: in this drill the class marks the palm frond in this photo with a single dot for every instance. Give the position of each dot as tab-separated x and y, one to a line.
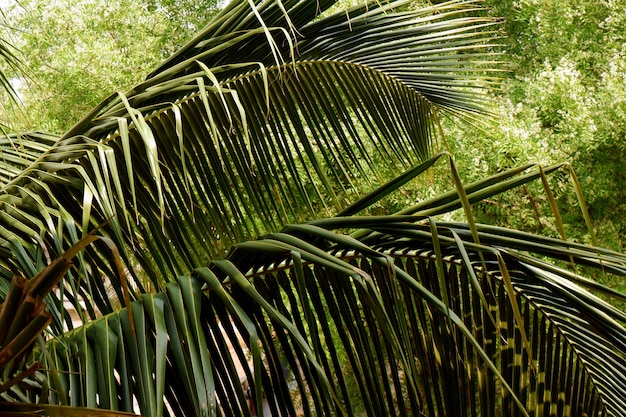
267	117
275	114
315	322
19	152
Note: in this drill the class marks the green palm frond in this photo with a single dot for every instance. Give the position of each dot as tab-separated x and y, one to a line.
278	113
19	152
269	116
317	323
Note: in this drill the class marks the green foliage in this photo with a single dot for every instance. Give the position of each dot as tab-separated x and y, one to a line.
79	52
562	101
10	65
222	146
412	332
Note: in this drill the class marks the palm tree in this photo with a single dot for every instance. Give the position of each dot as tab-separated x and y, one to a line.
279	113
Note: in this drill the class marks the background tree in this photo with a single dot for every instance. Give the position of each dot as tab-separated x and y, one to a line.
79	52
562	101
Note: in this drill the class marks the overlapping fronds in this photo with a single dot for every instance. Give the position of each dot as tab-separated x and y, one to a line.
314	322
408	316
24	317
273	114
277	113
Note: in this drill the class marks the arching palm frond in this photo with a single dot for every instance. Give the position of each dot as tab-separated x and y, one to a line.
273	114
315	322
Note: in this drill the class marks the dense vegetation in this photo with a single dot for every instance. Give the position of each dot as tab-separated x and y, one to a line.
275	114
562	101
76	53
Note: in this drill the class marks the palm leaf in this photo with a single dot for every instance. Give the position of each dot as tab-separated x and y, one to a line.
218	146
20	151
342	326
274	114
363	325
